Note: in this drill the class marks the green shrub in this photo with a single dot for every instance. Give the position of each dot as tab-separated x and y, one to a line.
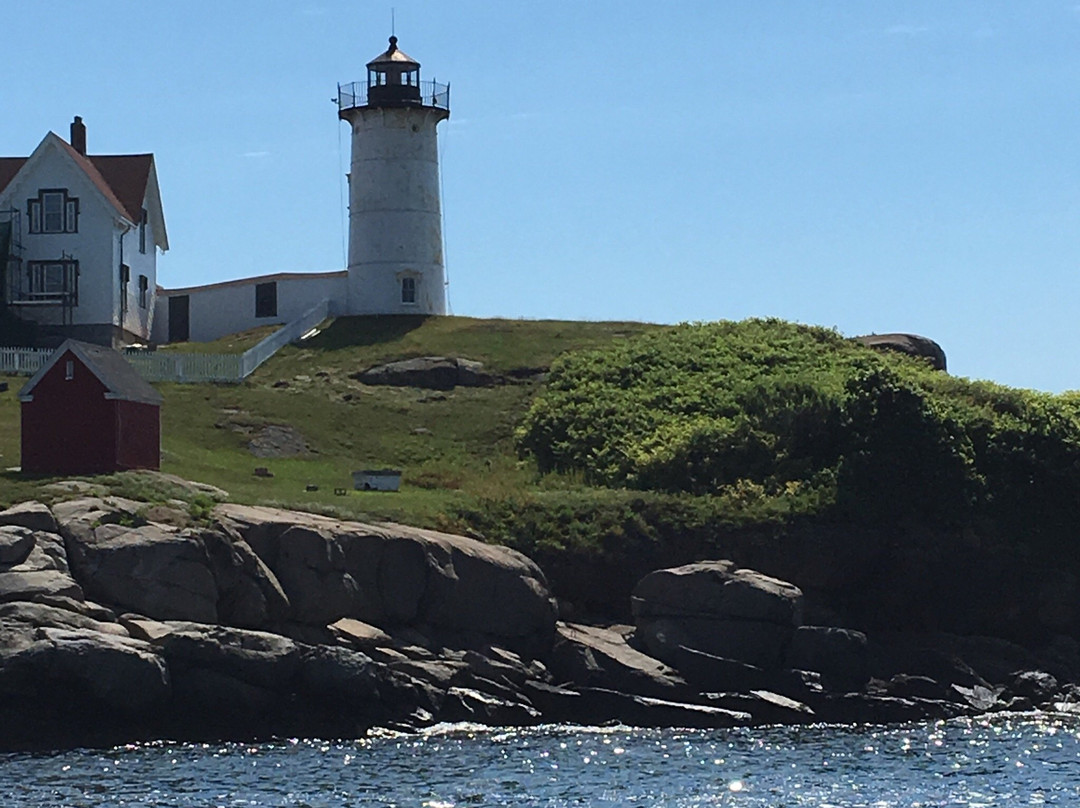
770	416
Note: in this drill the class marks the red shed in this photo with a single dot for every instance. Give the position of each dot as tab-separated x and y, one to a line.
88	411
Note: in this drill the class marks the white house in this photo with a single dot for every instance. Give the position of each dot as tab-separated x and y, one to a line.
79	236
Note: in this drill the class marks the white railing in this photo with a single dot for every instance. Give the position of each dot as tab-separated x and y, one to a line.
257	354
186	368
22	361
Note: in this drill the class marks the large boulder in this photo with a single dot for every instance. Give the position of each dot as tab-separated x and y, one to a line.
35	567
78	668
40	615
430	372
255	658
714	607
79	517
338	676
32	515
198	574
910	344
393	576
589	656
153	570
249	595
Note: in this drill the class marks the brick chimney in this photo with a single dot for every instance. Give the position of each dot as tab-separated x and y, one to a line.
78	135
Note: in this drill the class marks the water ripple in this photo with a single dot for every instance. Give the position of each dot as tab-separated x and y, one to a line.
1002	761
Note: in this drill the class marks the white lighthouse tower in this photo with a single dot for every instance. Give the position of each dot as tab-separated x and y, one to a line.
395	218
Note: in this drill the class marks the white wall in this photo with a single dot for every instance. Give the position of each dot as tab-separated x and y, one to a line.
220	309
395	218
93	246
137	319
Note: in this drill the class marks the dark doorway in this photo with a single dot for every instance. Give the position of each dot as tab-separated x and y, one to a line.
266	299
179	323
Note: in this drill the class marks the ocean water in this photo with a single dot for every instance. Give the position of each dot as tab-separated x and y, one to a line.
1004	760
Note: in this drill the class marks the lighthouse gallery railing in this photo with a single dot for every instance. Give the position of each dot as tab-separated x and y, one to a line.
355	94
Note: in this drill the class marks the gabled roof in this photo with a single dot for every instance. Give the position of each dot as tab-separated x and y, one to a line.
9	167
123	179
122	382
127	176
91	171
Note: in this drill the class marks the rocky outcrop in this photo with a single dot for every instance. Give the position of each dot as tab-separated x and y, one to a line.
840	655
271	623
35	568
430	372
392	575
156	571
910	344
31	515
714	607
601	657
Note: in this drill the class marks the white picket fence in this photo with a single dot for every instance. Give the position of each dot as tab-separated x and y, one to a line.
22	361
164	366
187	367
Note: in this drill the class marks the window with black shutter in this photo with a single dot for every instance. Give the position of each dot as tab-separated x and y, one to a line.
53	211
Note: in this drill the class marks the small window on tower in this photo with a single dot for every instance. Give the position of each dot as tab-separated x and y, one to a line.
69	370
408	290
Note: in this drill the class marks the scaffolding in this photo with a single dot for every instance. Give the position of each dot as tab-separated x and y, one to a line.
33	284
10	249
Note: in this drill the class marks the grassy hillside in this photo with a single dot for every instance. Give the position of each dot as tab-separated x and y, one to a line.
784	447
454	447
641	431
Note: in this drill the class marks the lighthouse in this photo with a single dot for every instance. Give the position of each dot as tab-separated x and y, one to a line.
395	216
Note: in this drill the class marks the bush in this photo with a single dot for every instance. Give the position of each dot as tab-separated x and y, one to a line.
776	415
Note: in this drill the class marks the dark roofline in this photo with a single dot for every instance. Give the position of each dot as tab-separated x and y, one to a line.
122	382
121	178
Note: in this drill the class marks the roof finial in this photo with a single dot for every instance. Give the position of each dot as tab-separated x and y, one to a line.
392	29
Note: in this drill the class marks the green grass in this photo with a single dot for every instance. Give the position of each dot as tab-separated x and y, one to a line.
456	448
355	343
230	344
449	445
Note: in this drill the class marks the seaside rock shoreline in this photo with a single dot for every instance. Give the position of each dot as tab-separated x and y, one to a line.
264	622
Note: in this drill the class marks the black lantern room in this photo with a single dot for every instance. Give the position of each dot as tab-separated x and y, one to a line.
393	78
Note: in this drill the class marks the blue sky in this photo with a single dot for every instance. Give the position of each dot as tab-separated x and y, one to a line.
872	167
